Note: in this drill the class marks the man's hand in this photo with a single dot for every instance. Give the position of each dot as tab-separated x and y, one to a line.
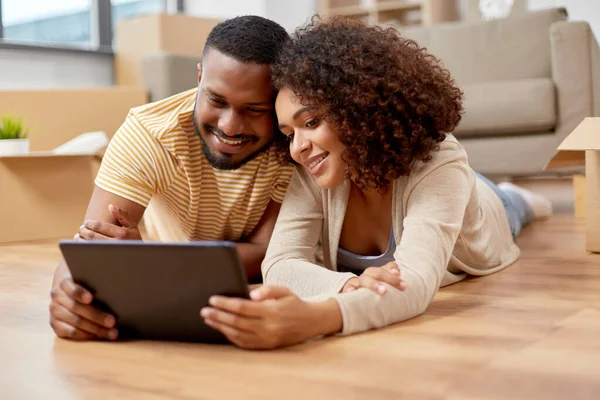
275	317
374	277
71	312
100	230
73	317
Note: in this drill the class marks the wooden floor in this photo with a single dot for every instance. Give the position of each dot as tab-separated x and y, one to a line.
529	332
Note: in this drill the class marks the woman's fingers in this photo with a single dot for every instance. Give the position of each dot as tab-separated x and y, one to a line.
392	267
385	275
247	333
373	284
237	337
375	278
351	285
232	320
242	307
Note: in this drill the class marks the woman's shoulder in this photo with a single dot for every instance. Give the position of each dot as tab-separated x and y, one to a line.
450	147
449	161
449	151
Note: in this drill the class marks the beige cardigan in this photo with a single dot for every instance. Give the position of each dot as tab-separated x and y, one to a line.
446	224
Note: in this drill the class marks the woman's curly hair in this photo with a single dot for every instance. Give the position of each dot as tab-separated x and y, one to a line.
390	101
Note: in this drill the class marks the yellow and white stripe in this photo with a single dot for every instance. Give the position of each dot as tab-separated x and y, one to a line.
156	155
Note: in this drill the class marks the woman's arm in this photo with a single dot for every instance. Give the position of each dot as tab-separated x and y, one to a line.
290	260
274	317
435	211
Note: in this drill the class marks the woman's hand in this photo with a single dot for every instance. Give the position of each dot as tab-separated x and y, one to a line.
274	317
374	277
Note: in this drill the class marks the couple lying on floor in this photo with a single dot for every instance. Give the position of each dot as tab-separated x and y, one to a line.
382	208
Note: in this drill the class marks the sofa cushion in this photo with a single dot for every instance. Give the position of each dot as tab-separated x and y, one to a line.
498	50
525	106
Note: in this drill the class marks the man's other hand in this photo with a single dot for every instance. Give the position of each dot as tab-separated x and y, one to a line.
101	230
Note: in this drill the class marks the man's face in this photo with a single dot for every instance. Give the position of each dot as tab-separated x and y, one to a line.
234	114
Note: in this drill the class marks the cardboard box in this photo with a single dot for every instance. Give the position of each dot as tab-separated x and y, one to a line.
58	115
582	147
44	195
579	192
172	33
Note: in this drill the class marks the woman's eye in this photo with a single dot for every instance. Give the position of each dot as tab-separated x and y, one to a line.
290	137
312	123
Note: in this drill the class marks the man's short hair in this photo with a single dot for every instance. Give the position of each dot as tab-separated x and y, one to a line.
249	39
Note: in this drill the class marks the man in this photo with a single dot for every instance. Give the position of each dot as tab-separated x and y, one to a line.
203	161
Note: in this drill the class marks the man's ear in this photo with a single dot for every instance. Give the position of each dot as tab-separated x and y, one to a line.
199	66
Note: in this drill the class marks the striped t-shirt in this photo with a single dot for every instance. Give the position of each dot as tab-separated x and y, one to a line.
156	153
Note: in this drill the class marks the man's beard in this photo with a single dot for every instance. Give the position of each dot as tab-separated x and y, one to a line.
223	161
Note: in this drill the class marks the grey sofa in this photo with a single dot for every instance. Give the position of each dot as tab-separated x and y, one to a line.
527	82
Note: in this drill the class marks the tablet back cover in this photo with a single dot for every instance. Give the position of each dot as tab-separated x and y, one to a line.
156	290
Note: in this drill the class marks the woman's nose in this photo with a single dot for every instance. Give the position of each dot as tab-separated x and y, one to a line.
300	143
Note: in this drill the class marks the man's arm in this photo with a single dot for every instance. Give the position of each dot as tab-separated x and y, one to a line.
71	313
98	211
252	252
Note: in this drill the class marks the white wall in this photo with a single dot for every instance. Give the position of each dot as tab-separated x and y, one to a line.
579	10
223	9
289	13
42	69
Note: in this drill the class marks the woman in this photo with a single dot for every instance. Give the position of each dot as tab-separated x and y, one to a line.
380	187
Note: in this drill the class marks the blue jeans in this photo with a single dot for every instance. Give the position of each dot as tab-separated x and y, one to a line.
517	210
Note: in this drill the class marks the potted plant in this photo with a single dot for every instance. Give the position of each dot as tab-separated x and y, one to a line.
13	137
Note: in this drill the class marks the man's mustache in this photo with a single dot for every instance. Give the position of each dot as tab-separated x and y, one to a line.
219	132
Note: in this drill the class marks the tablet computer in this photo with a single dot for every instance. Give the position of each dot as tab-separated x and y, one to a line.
156	290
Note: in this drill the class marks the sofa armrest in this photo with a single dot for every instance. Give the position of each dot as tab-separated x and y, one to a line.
576	73
165	74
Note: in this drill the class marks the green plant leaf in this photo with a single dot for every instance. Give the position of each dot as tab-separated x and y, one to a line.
12	127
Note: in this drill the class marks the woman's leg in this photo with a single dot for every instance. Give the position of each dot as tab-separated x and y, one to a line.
522	206
518	212
540	206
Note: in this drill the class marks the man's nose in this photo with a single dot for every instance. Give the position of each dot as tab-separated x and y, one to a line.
231	123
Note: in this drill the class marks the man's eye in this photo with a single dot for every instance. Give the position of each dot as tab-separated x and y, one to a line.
216	101
312	123
257	110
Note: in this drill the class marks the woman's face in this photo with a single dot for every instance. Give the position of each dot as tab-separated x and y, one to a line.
313	143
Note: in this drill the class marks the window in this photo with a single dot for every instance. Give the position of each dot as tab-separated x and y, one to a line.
80	23
124	9
47	22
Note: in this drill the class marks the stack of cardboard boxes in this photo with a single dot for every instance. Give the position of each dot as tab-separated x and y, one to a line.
175	34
